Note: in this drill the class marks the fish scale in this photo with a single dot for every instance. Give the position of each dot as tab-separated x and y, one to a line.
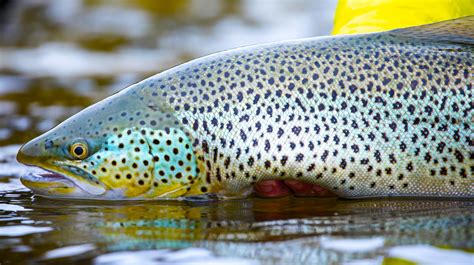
357	116
384	114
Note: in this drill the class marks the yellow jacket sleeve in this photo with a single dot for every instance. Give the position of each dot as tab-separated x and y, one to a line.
364	16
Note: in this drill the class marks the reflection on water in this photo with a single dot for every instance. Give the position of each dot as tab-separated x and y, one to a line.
275	231
60	56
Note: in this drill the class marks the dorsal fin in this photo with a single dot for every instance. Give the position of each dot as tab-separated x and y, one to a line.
460	30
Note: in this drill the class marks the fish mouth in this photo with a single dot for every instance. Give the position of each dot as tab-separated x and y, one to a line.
48	184
47	177
51	183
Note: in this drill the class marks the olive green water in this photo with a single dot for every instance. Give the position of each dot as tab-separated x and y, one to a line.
57	57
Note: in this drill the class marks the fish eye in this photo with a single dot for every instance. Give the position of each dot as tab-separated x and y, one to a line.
78	150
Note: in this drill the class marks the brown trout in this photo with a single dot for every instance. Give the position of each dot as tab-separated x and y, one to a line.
370	115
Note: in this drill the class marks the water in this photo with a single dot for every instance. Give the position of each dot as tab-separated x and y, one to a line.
59	56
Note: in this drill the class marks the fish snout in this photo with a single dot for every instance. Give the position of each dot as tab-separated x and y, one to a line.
29	153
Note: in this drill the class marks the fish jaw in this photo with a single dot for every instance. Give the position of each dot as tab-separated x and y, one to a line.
56	186
60	180
62	183
51	184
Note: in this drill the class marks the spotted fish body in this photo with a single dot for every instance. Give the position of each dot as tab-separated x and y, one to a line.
384	114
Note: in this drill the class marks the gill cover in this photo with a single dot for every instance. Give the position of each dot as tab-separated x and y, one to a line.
144	163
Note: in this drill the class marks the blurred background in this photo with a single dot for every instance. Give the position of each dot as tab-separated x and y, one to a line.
57	56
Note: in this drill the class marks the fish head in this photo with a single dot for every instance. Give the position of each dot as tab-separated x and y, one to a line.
60	152
115	149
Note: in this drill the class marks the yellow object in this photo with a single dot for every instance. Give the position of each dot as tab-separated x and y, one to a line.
364	16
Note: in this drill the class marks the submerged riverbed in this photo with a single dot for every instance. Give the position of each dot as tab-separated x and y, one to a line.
61	56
